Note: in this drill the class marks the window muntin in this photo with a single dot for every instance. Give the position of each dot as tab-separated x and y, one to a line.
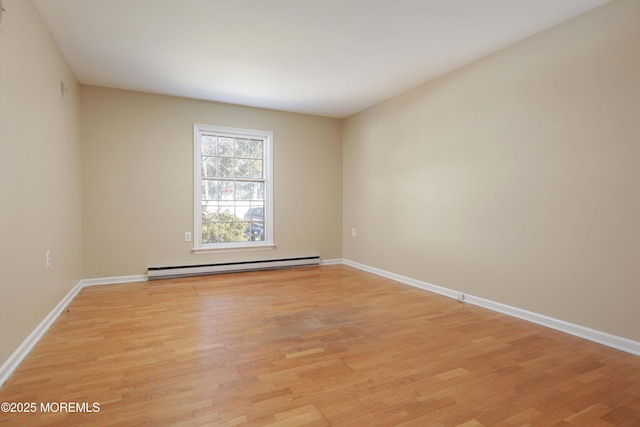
232	187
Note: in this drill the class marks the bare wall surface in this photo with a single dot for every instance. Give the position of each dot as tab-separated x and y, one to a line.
138	180
40	175
513	179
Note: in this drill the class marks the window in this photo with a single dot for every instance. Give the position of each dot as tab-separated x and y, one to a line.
233	188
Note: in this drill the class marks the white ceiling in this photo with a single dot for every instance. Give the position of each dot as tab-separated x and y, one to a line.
325	57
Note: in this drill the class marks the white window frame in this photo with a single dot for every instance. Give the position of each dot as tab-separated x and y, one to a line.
267	136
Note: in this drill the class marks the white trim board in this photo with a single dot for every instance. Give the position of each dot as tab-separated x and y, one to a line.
331	261
609	340
14	360
12	363
620	343
114	280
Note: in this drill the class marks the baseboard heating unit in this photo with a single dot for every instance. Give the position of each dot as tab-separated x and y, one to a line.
228	267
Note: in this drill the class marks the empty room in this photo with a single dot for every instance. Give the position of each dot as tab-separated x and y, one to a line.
320	213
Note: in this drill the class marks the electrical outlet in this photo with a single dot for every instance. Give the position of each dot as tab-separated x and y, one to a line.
187	236
48	258
353	232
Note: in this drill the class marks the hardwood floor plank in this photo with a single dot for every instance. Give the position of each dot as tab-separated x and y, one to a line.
317	346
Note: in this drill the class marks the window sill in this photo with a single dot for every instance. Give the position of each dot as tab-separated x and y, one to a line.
267	247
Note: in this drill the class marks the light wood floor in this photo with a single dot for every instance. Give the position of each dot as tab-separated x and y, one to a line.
313	346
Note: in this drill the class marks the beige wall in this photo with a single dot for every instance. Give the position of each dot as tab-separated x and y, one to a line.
514	179
138	180
40	164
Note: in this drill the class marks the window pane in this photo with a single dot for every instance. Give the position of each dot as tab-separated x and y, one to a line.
256	213
209	144
243	190
256	148
209	209
226	190
242	148
209	167
225	147
242	168
225	170
255	226
226	213
258	191
209	224
210	189
255	169
246	231
209	232
231	232
242	207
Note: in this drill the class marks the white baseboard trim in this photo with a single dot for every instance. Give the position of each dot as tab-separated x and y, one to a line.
620	343
115	280
406	280
614	341
12	363
604	338
331	261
